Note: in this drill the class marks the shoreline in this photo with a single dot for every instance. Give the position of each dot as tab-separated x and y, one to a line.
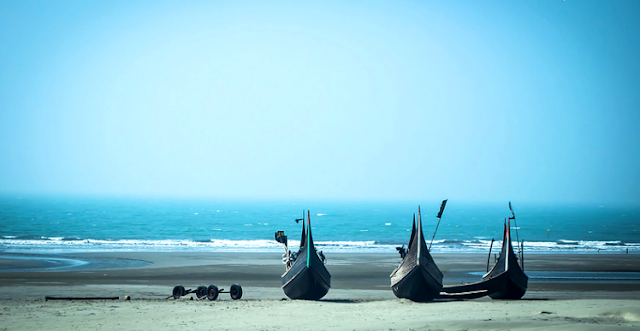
557	275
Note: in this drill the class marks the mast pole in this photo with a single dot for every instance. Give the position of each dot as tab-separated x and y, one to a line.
439	216
522	255
515	223
489	257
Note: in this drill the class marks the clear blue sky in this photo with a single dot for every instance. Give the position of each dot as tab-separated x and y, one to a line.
469	100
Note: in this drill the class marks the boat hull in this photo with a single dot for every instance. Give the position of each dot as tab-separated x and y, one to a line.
418	285
472	290
511	281
513	286
417	278
502	286
306	284
307	278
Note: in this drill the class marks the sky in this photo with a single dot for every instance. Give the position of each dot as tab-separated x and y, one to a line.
528	101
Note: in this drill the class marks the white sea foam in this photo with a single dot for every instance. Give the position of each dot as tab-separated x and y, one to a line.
58	244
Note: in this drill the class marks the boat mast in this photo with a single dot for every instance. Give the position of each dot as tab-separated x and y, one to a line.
489	257
439	216
515	224
522	255
519	244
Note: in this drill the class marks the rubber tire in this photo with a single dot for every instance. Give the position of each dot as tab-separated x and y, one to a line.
178	291
212	292
201	292
235	291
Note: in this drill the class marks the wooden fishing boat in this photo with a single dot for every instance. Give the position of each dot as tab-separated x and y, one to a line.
507	279
305	277
417	278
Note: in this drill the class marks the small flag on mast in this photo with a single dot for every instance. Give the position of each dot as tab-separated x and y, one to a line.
444	203
513	216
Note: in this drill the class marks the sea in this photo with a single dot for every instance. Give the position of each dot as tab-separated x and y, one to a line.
73	224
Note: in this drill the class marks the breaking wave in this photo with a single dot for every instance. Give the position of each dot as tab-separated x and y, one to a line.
62	244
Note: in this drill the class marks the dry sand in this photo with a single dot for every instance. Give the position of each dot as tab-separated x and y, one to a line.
360	298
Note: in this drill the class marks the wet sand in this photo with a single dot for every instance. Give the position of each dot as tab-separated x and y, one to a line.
360	297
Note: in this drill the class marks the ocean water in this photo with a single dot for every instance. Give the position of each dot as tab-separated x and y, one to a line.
78	224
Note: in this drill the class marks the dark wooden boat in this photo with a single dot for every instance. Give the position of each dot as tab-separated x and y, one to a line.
417	278
306	276
507	279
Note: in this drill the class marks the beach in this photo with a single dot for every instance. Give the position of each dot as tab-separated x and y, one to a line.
360	297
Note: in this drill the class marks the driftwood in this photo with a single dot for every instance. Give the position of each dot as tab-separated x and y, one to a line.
47	298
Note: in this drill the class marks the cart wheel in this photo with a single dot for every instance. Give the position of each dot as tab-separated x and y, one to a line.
212	292
201	292
178	291
236	291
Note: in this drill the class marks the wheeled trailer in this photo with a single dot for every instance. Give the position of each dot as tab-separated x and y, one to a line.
211	292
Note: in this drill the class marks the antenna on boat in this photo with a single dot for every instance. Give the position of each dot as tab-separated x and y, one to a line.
439	216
